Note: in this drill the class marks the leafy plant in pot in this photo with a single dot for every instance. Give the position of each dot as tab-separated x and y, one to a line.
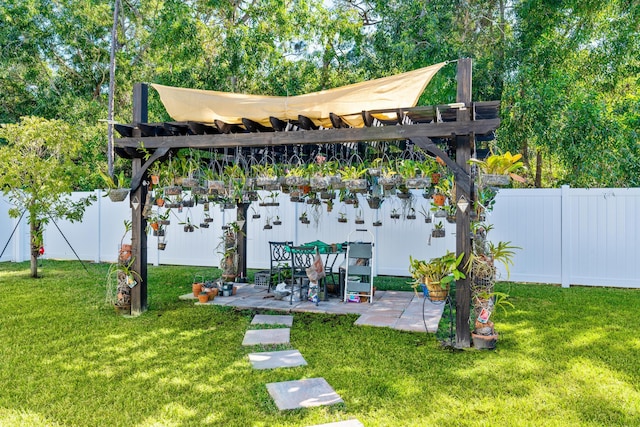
436	275
117	186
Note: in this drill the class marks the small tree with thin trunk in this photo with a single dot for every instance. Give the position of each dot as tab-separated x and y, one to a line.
40	165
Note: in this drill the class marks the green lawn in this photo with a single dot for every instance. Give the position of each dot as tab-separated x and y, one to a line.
565	357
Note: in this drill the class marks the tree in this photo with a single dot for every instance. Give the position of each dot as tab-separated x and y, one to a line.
41	164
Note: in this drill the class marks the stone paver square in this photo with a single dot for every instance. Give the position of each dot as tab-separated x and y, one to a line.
276	359
266	336
303	393
270	319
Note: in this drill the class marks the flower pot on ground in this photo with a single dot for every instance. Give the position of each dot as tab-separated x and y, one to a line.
197	288
203	297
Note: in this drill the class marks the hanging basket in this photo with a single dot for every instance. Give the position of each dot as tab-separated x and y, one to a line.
118	194
492	180
356	185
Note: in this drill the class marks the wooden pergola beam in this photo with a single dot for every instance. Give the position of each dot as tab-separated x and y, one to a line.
325	136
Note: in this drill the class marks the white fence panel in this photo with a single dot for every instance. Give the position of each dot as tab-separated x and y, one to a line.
568	236
603	239
530	219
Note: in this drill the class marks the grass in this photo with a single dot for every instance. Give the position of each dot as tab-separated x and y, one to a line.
566	357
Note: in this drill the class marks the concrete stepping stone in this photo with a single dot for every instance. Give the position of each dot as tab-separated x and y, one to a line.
348	423
272	319
266	336
276	359
303	393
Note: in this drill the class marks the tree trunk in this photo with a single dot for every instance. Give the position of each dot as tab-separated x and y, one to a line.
538	182
35	243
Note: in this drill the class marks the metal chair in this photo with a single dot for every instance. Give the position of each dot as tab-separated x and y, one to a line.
359	268
302	257
280	261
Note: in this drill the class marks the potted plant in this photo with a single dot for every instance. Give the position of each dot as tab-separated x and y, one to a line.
121	277
266	176
117	186
267	225
498	169
412	213
436	275
342	217
277	221
228	248
388	177
425	214
359	217
304	218
484	335
352	176
395	214
438	230
188	226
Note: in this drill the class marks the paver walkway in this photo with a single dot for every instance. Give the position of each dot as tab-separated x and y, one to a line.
288	394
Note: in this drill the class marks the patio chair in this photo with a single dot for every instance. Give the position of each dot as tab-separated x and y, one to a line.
280	261
359	269
302	257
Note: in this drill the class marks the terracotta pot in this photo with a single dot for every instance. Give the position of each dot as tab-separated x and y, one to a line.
438	199
203	298
196	288
484	342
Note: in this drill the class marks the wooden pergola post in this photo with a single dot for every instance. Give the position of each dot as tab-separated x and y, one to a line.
137	199
464	191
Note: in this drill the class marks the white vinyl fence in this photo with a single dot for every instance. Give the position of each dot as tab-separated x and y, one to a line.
568	236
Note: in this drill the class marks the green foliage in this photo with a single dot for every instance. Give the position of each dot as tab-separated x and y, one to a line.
40	168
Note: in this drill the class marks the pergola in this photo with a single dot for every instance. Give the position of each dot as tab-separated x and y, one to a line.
458	124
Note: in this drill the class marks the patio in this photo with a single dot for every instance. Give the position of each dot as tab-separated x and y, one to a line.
392	309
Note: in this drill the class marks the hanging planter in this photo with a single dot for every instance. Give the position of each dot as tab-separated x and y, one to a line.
377	223
356	185
438	231
173	190
118	194
198	190
162	246
374	202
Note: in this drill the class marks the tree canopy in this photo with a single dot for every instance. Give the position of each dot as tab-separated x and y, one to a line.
566	72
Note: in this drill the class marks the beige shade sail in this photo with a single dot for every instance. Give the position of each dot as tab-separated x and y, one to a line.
348	102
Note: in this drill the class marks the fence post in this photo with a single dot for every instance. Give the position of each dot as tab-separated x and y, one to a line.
565	236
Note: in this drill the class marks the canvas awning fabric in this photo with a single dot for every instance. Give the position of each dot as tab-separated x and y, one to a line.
348	102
